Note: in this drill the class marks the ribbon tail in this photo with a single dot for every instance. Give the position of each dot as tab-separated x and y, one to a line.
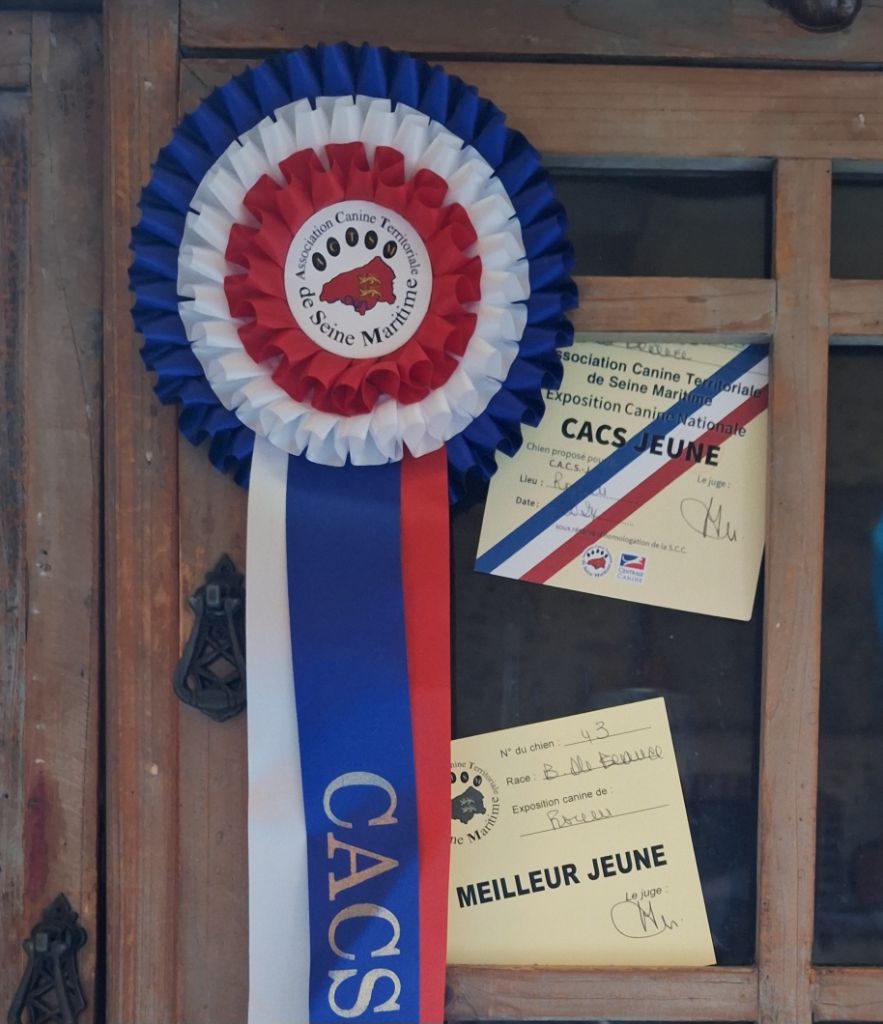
352	592
426	579
347	627
278	950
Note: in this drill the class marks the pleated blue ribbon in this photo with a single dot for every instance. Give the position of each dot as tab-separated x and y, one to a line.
341	69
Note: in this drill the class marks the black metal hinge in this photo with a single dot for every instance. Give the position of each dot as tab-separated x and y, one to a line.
50	991
211	673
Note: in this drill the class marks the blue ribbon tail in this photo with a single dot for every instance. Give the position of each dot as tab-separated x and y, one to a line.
346	601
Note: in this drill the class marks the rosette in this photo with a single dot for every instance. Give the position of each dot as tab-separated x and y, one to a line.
352	277
306	101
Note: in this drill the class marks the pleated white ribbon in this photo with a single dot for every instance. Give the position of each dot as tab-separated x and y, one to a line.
247	387
278	908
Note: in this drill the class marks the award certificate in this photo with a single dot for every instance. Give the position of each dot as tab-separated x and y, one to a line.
570	845
645	481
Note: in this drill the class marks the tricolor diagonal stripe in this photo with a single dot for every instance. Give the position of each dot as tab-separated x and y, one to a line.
632	475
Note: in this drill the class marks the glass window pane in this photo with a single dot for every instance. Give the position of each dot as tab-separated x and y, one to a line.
524	653
678	225
856	226
849	875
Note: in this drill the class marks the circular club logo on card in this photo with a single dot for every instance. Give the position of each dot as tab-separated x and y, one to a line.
358	279
475	803
596	561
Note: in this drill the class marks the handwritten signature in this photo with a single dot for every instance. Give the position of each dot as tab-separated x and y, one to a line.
706	519
586	510
635	919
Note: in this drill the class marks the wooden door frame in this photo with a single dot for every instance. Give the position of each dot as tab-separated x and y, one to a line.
51	122
799	121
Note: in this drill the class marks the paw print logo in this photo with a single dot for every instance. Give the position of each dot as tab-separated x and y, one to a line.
466	804
365	285
358	279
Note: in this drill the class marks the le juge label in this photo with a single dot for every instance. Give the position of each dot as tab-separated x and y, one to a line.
645	480
577	826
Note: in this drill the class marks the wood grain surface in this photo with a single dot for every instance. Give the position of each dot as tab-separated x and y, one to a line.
703	305
213	777
50	489
649	113
743	307
555	993
687	112
638	30
64	448
857	308
848	993
141	535
792	603
13	529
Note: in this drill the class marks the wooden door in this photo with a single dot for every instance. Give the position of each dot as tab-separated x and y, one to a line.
614	86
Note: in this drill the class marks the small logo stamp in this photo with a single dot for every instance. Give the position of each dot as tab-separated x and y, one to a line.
362	287
596	561
475	803
358	279
631	568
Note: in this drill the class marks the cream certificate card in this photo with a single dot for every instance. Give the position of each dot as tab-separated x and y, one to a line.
570	845
645	480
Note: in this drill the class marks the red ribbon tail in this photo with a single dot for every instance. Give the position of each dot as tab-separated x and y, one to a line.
426	583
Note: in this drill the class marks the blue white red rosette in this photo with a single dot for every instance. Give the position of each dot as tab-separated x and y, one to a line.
339	94
352	277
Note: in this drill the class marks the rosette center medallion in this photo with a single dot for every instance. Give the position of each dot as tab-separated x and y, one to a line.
358	280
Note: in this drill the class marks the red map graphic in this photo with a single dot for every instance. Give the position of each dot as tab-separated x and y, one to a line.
362	288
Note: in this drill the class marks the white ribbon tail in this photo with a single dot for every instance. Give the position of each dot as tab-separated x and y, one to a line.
278	908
